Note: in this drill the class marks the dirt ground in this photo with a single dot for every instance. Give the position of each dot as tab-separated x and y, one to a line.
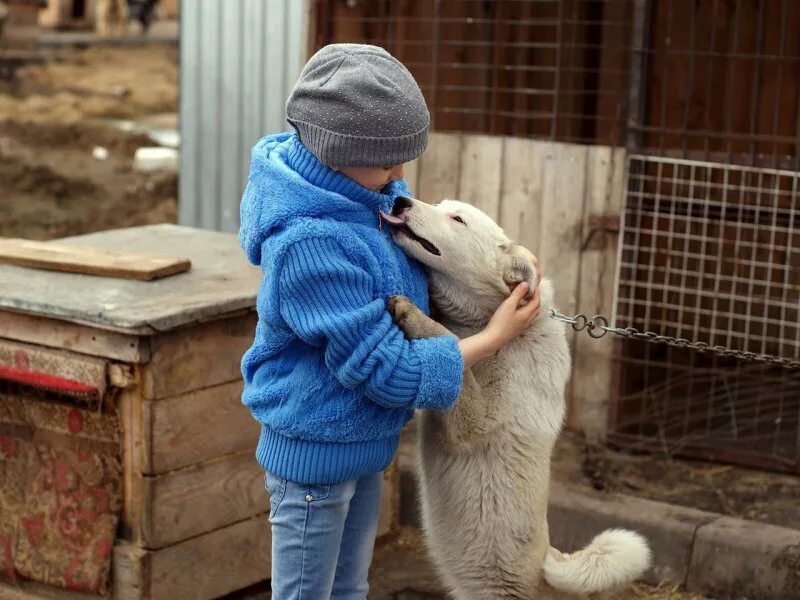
726	489
401	571
50	183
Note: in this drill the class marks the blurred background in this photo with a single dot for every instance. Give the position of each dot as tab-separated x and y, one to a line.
647	151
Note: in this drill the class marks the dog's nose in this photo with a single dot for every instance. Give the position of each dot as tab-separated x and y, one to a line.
401	204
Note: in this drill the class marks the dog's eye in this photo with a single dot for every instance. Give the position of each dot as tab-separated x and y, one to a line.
459	219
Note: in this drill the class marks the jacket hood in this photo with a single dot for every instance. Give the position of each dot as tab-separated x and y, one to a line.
288	182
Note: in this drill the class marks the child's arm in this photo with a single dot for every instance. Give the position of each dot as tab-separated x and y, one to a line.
331	302
508	321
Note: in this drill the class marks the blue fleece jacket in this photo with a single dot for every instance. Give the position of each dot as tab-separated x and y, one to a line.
330	377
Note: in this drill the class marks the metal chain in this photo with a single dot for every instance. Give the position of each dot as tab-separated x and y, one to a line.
599	325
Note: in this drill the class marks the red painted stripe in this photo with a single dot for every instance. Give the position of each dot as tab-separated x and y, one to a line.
43	380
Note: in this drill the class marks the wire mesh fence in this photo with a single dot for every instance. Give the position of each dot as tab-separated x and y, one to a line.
709	252
543	68
705	95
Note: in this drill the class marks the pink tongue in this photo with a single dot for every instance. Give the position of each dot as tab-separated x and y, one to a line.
392	219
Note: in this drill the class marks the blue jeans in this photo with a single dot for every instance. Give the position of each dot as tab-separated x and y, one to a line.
322	537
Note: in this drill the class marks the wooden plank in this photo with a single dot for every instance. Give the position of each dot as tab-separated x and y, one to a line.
87	370
221	282
197	357
53	333
411	176
207	566
480	172
130	413
173	426
564	169
593	359
521	192
198	499
439	168
53	256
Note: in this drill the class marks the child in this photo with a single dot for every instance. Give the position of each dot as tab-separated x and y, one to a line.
330	377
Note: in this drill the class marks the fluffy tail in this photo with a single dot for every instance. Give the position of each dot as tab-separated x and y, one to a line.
613	559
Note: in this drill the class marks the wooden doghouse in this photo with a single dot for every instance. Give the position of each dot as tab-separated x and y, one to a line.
147	372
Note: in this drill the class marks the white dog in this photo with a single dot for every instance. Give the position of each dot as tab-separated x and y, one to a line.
485	464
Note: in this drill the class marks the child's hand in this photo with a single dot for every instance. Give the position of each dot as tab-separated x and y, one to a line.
511	319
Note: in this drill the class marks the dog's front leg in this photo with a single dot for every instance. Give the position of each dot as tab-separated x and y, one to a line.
414	323
473	414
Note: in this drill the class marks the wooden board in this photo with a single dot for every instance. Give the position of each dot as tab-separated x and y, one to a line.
439	168
564	169
207	566
480	173
593	359
411	176
176	430
188	502
53	333
521	192
220	282
197	357
53	256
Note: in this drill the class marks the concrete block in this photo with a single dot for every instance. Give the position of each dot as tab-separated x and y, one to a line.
738	558
575	517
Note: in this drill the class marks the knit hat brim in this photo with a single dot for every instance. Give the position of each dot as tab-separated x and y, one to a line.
339	150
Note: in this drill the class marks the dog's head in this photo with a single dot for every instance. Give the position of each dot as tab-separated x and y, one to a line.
473	265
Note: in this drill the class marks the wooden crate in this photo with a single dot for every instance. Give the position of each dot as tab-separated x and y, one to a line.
193	522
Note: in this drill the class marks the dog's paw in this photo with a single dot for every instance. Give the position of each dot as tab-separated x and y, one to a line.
414	323
401	309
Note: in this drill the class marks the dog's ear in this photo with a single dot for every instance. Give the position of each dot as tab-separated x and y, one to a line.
515	265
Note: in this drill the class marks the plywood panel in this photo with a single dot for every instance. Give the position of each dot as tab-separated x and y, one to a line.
177	431
480	172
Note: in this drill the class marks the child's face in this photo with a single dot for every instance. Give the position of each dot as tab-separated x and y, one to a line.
373	178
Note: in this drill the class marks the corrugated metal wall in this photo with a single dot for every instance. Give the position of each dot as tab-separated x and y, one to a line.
239	61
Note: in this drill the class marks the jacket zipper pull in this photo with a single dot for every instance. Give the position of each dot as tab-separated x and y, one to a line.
380	224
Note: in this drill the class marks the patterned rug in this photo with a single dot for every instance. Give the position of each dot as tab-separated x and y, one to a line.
60	490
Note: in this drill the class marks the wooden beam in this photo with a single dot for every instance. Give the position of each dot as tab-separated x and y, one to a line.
88	260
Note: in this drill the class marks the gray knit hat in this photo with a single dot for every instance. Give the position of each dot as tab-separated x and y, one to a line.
357	106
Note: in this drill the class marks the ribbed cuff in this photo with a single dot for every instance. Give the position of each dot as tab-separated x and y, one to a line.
305	461
442	372
341	150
